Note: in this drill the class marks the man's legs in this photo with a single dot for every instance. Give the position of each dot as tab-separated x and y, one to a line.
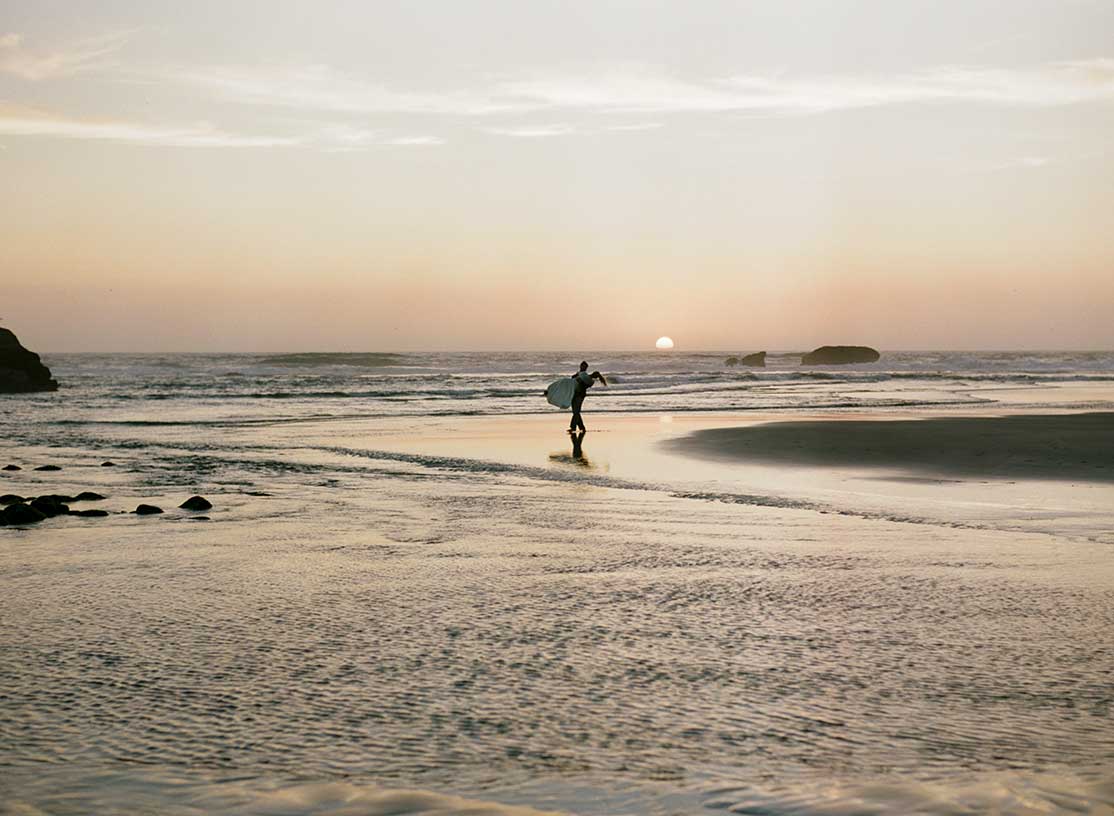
576	421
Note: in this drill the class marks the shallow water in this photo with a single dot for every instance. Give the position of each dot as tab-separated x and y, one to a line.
441	606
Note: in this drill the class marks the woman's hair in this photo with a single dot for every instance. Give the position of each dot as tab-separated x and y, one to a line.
600	377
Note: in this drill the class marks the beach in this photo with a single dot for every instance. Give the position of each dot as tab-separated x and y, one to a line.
417	612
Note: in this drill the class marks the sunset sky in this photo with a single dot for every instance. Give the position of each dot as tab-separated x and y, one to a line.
556	175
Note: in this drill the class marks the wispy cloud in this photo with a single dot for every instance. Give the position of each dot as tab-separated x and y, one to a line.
23	121
319	87
34	64
414	141
634	127
20	121
532	131
649	92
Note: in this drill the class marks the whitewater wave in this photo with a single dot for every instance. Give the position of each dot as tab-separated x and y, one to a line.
360	359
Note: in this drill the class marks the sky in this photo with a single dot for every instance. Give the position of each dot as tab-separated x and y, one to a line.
354	176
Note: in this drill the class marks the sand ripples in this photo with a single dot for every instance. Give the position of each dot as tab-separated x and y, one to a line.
474	635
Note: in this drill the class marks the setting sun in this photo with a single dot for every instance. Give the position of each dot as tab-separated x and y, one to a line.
664	343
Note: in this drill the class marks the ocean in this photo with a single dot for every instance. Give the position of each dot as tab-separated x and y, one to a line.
415	594
272	387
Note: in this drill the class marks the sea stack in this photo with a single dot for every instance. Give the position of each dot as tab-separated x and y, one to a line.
21	370
840	355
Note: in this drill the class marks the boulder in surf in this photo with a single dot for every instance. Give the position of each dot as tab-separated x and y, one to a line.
840	355
21	514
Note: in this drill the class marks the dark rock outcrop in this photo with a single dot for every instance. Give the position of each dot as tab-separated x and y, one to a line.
21	370
88	495
11	498
147	510
48	467
108	464
21	514
196	503
756	360
11	467
840	355
89	513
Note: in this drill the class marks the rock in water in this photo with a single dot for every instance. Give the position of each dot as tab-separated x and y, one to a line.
756	360
840	355
21	514
89	513
48	467
49	506
11	498
108	464
87	495
21	370
11	467
196	503
147	510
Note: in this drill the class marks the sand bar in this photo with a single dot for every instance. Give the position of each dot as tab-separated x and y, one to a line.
1072	447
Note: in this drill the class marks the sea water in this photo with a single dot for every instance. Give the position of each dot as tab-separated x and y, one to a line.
367	626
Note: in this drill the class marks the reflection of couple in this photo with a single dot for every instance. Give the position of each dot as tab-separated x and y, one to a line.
577	457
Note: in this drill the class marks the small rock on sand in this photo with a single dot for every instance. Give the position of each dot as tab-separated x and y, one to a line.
196	503
147	510
21	514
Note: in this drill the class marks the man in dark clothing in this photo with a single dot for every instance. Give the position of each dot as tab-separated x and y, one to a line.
583	383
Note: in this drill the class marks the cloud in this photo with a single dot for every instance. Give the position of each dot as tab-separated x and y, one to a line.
319	87
642	92
533	131
83	55
19	121
416	141
634	127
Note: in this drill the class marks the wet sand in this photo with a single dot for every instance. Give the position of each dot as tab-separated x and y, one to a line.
434	614
1061	447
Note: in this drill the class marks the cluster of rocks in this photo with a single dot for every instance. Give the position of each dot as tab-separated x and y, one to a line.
16	510
21	370
756	360
825	355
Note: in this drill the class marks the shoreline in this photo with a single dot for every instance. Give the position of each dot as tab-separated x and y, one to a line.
1057	447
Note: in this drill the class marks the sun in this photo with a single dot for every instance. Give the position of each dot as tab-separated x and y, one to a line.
664	343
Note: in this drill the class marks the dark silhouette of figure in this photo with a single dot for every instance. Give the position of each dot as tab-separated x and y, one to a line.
584	381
